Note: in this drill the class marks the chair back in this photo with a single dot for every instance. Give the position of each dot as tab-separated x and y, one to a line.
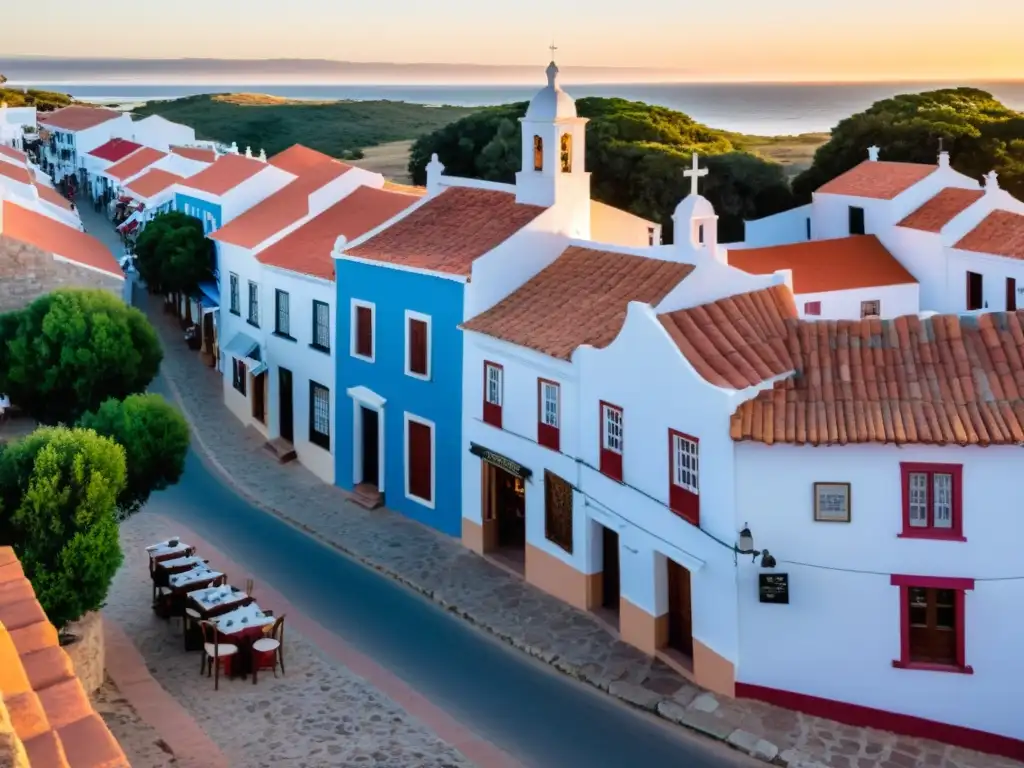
210	632
248	587
277	631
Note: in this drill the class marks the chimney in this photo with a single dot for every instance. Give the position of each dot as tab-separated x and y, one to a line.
263	156
991	182
873	154
943	159
434	171
234	148
339	246
248	152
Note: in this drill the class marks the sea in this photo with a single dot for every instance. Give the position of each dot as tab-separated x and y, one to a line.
765	109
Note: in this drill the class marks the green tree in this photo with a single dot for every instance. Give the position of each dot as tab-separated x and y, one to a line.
636	154
980	133
72	349
58	492
155	439
173	255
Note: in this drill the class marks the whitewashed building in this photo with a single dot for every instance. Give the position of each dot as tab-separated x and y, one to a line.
25	184
160	133
70	133
16	123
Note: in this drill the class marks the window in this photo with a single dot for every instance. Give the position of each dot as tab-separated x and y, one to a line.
856	220
931	501
322	327
1011	294
319	415
236	302
684	482
566	153
812	308
239	374
548	414
419	460
494	380
975	291
932	623
362	330
254	304
417	345
808	227
558	511
611	441
538	153
281	314
870	308
650	235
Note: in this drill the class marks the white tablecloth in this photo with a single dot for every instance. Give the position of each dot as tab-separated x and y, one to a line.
164	548
211	597
180	562
242	618
200	573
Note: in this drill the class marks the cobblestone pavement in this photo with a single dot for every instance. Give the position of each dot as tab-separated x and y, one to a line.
529	619
139	740
317	715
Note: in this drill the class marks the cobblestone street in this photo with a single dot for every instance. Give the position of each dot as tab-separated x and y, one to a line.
492	598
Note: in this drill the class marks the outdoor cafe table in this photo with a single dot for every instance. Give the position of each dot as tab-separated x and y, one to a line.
210	603
242	627
166	551
165	568
198	577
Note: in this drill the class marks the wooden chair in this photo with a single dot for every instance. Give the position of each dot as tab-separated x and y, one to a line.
248	587
214	651
191	618
268	652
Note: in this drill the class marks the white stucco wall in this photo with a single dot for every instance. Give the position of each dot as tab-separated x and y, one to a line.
612	225
780	229
993	270
896	300
160	133
241	198
839	634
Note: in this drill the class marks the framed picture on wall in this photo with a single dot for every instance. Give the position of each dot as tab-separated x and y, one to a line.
832	502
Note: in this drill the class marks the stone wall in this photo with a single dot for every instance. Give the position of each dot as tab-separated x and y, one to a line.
88	653
26	273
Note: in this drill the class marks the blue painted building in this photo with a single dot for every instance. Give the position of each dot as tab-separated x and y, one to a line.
206	211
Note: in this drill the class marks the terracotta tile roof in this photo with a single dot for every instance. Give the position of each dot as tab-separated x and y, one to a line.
115	150
13	153
135	163
280	210
451	230
859	261
56	238
308	249
298	159
47	710
941	209
1001	233
581	298
153	182
77	118
878	179
18	173
52	196
226	173
196	153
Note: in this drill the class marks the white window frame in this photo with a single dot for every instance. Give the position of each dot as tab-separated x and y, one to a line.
871	301
433	459
354	330
545	386
606	411
683	448
409	317
249	303
499	378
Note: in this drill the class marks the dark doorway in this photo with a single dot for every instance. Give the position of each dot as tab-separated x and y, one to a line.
371	446
208	332
259	398
974	291
285	405
680	617
610	572
1011	294
509	509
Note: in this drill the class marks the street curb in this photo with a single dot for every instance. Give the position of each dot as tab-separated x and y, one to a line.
692	720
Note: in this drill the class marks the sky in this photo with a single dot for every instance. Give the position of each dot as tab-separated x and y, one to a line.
760	40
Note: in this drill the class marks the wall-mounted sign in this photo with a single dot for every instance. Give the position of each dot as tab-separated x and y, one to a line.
832	502
773	588
514	468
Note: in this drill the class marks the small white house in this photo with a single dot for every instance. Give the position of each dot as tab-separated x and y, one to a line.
16	123
70	133
25	184
160	133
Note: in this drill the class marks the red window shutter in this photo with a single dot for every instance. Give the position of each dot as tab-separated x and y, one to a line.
611	459
492	407
418	347
681	499
548	435
420	461
364	331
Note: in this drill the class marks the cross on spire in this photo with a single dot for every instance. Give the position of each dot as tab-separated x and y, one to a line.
552	48
694	174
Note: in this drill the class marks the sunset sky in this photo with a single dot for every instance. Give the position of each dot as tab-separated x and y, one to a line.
800	40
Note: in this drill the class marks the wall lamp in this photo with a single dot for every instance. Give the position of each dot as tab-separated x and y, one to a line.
745	546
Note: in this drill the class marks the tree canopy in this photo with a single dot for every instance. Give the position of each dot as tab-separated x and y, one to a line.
70	350
979	132
636	154
58	491
155	439
173	254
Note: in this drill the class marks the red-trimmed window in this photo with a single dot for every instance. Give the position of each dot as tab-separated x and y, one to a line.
932	495
494	383
812	308
684	476
611	440
549	414
932	623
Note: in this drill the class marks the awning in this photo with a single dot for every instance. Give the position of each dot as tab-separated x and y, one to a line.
502	462
210	291
207	305
257	369
128	227
242	346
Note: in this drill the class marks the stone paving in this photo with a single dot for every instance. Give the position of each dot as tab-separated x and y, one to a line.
494	599
317	715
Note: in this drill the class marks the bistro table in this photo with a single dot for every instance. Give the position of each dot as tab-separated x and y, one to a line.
242	627
178	584
166	550
210	603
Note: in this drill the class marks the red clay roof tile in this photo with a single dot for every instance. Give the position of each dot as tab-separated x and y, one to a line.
941	209
1001	233
195	153
859	261
878	179
77	118
135	163
57	238
280	210
115	150
225	174
308	249
52	196
581	298
450	231
297	159
153	182
18	173
13	153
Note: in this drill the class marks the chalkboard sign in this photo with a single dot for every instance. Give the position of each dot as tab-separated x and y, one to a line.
773	588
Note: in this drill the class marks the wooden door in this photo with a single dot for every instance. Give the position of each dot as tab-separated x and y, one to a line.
259	398
419	444
974	291
680	616
610	572
371	447
285	405
1011	294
